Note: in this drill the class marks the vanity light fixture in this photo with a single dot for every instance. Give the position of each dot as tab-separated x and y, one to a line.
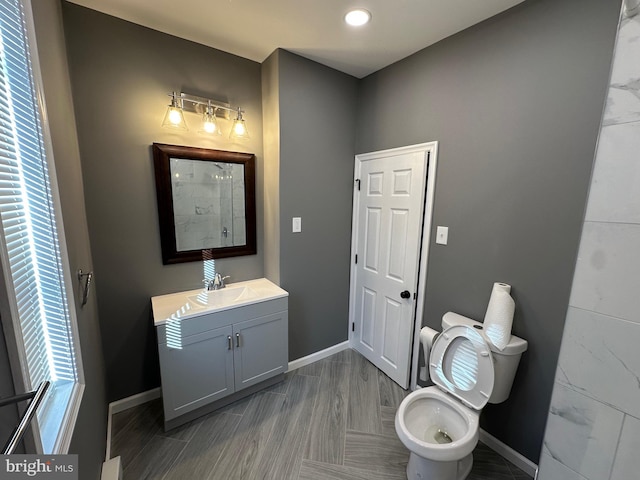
210	111
357	17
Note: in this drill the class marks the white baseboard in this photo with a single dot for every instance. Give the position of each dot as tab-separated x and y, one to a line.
520	461
125	404
107	455
314	357
112	469
134	400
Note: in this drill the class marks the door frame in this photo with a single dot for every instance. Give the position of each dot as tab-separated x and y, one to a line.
423	253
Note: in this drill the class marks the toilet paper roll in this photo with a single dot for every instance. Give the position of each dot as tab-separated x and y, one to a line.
427	335
499	317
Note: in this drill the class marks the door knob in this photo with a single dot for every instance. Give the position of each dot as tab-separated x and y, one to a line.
405	294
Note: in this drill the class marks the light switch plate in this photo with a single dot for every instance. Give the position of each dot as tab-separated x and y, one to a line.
442	235
296	225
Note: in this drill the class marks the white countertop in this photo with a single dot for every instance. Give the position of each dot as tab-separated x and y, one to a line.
194	303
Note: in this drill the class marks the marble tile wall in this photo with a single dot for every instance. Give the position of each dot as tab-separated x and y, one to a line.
593	427
208	204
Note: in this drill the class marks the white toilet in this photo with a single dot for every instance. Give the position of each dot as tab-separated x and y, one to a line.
439	424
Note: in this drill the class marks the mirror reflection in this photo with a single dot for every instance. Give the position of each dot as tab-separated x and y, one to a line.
208	204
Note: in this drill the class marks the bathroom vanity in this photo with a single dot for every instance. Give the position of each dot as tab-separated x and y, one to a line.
218	346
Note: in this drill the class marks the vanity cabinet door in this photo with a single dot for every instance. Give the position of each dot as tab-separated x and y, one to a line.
196	370
261	349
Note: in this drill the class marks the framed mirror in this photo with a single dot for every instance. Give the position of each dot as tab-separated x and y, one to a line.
206	201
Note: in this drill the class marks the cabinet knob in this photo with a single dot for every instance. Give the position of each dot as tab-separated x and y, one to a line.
237	340
230	342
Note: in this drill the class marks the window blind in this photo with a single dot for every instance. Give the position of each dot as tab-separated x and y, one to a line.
28	220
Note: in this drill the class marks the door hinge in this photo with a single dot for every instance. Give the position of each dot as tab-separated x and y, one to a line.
358	183
353	326
356	258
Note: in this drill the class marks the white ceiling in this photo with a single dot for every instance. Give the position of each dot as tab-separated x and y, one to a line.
312	28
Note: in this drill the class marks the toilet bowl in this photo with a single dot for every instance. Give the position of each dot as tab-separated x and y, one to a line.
433	425
439	424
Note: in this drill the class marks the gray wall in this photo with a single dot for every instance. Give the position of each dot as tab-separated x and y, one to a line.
317	112
121	74
515	103
89	437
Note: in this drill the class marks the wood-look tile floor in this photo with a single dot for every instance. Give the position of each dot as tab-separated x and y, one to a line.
333	419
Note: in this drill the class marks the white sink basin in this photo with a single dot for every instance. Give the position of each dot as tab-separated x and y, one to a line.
225	296
179	306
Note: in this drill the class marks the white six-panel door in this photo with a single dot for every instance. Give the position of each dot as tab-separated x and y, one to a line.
387	230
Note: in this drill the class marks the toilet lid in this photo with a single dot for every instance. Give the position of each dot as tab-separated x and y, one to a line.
461	363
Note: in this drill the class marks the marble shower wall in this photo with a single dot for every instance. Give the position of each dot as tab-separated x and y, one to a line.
208	201
593	427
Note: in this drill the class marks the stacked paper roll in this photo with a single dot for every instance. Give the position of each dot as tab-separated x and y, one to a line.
427	335
499	317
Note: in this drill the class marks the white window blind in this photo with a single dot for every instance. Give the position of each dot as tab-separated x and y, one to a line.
32	262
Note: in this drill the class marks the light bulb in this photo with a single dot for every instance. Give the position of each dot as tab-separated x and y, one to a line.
175	117
239	129
209	127
357	17
209	122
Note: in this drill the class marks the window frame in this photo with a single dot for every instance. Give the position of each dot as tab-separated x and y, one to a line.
8	307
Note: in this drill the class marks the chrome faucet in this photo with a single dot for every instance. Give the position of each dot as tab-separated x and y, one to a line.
208	284
218	281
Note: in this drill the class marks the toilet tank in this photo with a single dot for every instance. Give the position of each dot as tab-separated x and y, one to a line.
505	362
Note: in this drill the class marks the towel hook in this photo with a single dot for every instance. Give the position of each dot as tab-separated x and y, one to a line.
87	285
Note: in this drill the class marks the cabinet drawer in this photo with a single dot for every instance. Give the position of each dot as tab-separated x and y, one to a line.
211	321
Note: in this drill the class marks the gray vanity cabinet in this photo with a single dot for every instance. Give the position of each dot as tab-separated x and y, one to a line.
207	358
198	370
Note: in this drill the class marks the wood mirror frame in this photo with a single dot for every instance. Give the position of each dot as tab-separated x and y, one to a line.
162	156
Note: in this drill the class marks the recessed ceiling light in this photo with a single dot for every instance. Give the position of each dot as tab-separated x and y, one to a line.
357	17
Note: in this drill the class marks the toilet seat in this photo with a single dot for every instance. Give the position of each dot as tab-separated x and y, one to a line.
461	364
